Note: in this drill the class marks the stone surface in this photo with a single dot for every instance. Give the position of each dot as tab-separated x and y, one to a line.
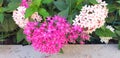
19	51
70	51
89	51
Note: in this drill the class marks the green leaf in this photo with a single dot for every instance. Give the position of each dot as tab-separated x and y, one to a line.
1	2
43	12
117	28
61	51
8	24
111	7
36	3
20	36
64	13
118	1
13	5
1	17
119	44
93	1
117	32
79	1
71	4
60	5
104	32
47	1
119	12
1	9
30	11
110	19
79	7
79	4
70	19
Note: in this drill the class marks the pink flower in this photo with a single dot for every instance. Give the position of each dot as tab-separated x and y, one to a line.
51	35
81	42
24	3
84	36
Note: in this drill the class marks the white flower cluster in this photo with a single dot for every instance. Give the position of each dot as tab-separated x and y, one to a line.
92	17
19	16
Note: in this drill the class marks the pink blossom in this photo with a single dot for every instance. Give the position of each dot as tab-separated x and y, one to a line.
84	36
51	35
24	3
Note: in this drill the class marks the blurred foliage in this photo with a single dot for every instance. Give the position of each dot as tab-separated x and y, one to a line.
7	25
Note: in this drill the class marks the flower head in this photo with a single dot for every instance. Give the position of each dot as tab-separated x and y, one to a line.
24	3
92	17
51	35
19	16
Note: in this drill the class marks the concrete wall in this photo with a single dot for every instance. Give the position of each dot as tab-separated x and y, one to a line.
70	51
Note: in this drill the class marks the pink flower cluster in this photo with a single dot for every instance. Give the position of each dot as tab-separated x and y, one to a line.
24	3
51	35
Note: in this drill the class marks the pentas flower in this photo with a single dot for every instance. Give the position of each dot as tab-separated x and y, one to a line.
77	33
92	17
51	35
24	3
19	16
84	36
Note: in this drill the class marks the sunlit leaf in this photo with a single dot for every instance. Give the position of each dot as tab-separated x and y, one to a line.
30	11
43	12
93	1
104	32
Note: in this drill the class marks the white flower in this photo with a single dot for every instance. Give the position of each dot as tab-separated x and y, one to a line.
110	28
19	16
105	39
91	17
